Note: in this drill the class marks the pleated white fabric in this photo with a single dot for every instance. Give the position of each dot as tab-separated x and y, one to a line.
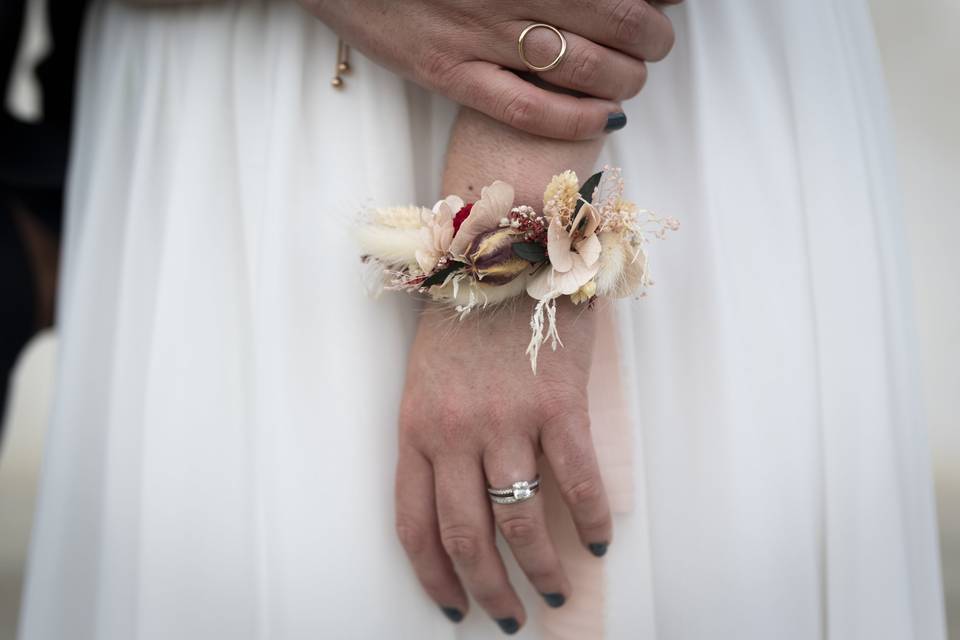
220	461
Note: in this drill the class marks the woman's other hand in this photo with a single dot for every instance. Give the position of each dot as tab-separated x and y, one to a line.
467	51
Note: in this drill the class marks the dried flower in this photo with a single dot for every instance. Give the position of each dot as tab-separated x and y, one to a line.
393	236
584	293
560	196
623	266
436	234
398	217
474	255
495	202
622	217
491	259
574	256
461	215
528	222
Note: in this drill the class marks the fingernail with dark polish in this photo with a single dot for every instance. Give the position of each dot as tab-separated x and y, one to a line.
554	599
616	121
598	548
453	614
509	625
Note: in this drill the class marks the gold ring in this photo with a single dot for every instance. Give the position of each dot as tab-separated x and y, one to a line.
556	61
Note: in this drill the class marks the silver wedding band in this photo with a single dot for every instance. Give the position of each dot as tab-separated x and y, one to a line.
523	55
517	492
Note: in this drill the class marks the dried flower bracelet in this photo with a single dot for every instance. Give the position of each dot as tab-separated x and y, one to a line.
588	241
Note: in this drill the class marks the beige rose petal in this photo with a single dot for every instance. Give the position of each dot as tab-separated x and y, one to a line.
449	205
579	275
558	246
589	249
593	219
541	285
426	260
446	237
495	203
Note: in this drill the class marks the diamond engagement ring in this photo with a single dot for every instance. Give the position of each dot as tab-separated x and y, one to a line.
517	492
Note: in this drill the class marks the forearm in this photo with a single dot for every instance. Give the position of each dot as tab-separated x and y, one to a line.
482	150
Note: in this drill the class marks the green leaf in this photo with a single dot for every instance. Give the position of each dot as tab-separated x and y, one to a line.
586	191
440	276
530	251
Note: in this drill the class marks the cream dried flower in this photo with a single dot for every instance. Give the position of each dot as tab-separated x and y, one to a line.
623	266
399	217
560	196
393	235
584	293
622	218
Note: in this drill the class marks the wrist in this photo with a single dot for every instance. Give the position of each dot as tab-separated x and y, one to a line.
483	150
578	241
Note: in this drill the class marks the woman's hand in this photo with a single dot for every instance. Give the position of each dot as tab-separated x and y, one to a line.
465	50
473	414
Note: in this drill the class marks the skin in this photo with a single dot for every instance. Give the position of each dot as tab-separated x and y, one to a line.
473	413
466	50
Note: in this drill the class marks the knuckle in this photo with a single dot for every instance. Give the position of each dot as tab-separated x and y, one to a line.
565	404
519	530
585	70
520	111
413	537
583	492
629	20
449	422
579	125
444	428
475	93
435	67
461	543
441	429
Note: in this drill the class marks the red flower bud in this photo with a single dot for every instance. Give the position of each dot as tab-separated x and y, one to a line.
461	216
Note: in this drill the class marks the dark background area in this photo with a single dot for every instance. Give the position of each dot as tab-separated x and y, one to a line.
33	161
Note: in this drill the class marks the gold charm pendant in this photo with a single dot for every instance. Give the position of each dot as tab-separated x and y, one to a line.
343	64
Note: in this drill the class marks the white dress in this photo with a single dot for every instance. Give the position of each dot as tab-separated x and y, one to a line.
221	457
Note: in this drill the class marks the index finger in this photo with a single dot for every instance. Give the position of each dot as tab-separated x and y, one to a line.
506	97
